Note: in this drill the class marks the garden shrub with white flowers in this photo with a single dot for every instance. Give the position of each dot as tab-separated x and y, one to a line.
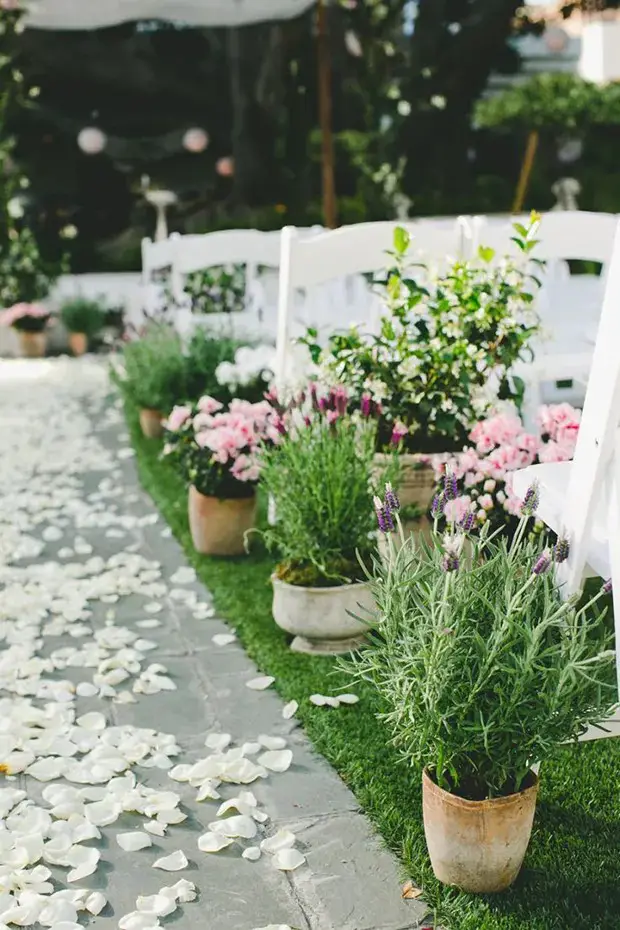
443	351
482	667
220	289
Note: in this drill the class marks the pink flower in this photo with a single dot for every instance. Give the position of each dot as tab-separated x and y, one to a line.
245	469
209	404
399	431
20	311
486	501
456	509
554	452
178	416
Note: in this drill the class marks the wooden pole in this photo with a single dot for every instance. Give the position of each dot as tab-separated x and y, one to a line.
526	171
325	118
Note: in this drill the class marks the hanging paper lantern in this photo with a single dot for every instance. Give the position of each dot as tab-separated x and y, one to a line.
195	140
225	167
91	140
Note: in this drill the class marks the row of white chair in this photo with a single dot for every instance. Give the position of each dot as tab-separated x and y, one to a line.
326	266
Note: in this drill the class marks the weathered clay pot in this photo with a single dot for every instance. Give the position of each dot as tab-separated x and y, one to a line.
478	846
151	423
318	618
217	526
32	345
78	343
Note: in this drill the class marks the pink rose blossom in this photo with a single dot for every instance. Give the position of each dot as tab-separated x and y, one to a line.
209	404
178	416
486	501
455	510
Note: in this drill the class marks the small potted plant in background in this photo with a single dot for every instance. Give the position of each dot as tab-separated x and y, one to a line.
217	452
443	347
83	319
29	322
151	375
483	671
318	480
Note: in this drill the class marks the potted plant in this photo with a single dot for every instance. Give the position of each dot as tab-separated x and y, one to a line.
440	356
500	445
29	321
82	319
318	480
217	451
483	670
151	375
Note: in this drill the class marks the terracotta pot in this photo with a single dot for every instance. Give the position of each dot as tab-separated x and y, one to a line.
150	421
478	846
78	343
320	618
32	345
217	526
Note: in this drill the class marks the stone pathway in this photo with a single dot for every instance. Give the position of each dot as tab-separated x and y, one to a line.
96	596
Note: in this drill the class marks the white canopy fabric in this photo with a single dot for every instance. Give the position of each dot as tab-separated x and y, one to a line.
95	14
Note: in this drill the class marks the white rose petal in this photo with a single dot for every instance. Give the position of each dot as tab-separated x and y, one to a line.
272	742
157	904
218	741
93	721
288	859
84	861
318	699
242	825
95	903
86	689
252	853
260	684
289	710
348	698
156	828
213	842
172	863
278	760
223	639
136	920
132	842
183	575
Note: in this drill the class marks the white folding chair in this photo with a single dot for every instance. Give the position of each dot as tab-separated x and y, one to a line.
156	257
581	499
309	263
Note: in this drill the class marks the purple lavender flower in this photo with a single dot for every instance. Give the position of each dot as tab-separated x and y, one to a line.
391	498
313	395
437	505
450	562
530	501
606	589
468	522
323	404
366	405
561	550
341	401
450	486
542	563
384	516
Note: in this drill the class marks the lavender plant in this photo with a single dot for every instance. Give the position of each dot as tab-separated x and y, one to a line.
482	667
319	479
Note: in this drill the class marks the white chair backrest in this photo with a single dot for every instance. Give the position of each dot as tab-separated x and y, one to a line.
229	247
156	256
312	262
563	235
596	465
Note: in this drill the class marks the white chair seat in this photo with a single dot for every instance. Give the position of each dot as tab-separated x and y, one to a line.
553	482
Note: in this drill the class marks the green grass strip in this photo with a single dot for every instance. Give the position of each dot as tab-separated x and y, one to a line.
571	878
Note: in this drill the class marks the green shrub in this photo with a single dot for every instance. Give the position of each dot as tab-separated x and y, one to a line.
206	350
81	315
153	369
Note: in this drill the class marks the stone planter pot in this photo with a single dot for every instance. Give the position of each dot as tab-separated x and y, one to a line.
151	423
318	618
478	846
218	527
78	343
31	345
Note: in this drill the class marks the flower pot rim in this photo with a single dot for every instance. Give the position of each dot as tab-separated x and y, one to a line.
319	590
147	409
418	457
488	803
225	500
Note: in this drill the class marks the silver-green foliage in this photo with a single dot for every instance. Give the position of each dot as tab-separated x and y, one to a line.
485	670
